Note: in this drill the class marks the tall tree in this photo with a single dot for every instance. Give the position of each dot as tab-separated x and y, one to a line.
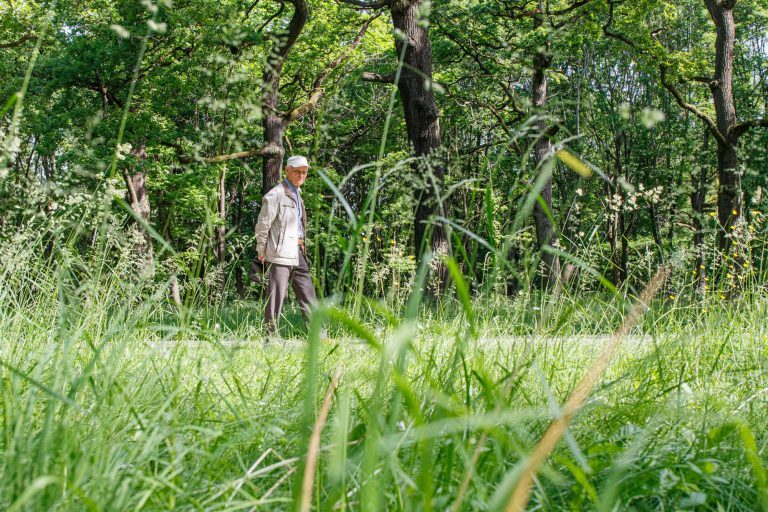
725	127
550	19
422	116
275	121
542	211
138	199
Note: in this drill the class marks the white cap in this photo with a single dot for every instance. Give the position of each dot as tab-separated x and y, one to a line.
297	161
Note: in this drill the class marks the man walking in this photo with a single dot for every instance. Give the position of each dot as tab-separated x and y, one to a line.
280	235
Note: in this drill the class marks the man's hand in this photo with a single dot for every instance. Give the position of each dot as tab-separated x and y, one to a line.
261	259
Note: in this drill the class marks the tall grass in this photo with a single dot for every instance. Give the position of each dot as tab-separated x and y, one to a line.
113	403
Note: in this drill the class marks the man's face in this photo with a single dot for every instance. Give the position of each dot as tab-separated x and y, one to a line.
296	175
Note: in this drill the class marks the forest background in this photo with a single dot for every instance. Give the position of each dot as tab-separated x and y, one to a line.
186	111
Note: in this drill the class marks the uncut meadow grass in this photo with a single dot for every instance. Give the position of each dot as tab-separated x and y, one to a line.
114	403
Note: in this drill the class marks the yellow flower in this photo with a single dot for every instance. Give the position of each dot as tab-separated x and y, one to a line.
378	239
393	242
671	297
734	212
411	257
701	267
712	214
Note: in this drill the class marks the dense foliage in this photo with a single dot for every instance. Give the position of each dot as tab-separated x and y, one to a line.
137	100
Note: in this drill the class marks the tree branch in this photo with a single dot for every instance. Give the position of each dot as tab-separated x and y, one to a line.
140	153
689	107
741	128
269	149
250	8
572	7
711	82
367	4
317	87
299	18
271	18
19	42
607	28
389	78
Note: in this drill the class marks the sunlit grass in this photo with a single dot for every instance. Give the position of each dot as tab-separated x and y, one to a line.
113	403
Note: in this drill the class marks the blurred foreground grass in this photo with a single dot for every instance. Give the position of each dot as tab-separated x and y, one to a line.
110	403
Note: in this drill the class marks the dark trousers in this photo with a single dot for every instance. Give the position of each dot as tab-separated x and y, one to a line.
303	287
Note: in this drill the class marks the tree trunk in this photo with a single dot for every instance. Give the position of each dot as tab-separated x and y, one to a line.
274	128
545	229
613	240
624	258
698	197
729	195
272	123
163	218
221	228
654	217
616	213
49	166
138	199
175	293
422	119
239	274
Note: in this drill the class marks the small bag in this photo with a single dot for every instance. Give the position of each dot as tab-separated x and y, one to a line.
258	271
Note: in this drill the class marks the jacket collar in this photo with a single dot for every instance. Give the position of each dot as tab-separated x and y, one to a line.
288	190
291	186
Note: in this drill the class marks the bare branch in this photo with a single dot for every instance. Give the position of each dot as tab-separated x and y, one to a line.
689	107
269	149
389	78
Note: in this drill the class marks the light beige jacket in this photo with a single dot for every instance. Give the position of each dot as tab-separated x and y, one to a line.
277	230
